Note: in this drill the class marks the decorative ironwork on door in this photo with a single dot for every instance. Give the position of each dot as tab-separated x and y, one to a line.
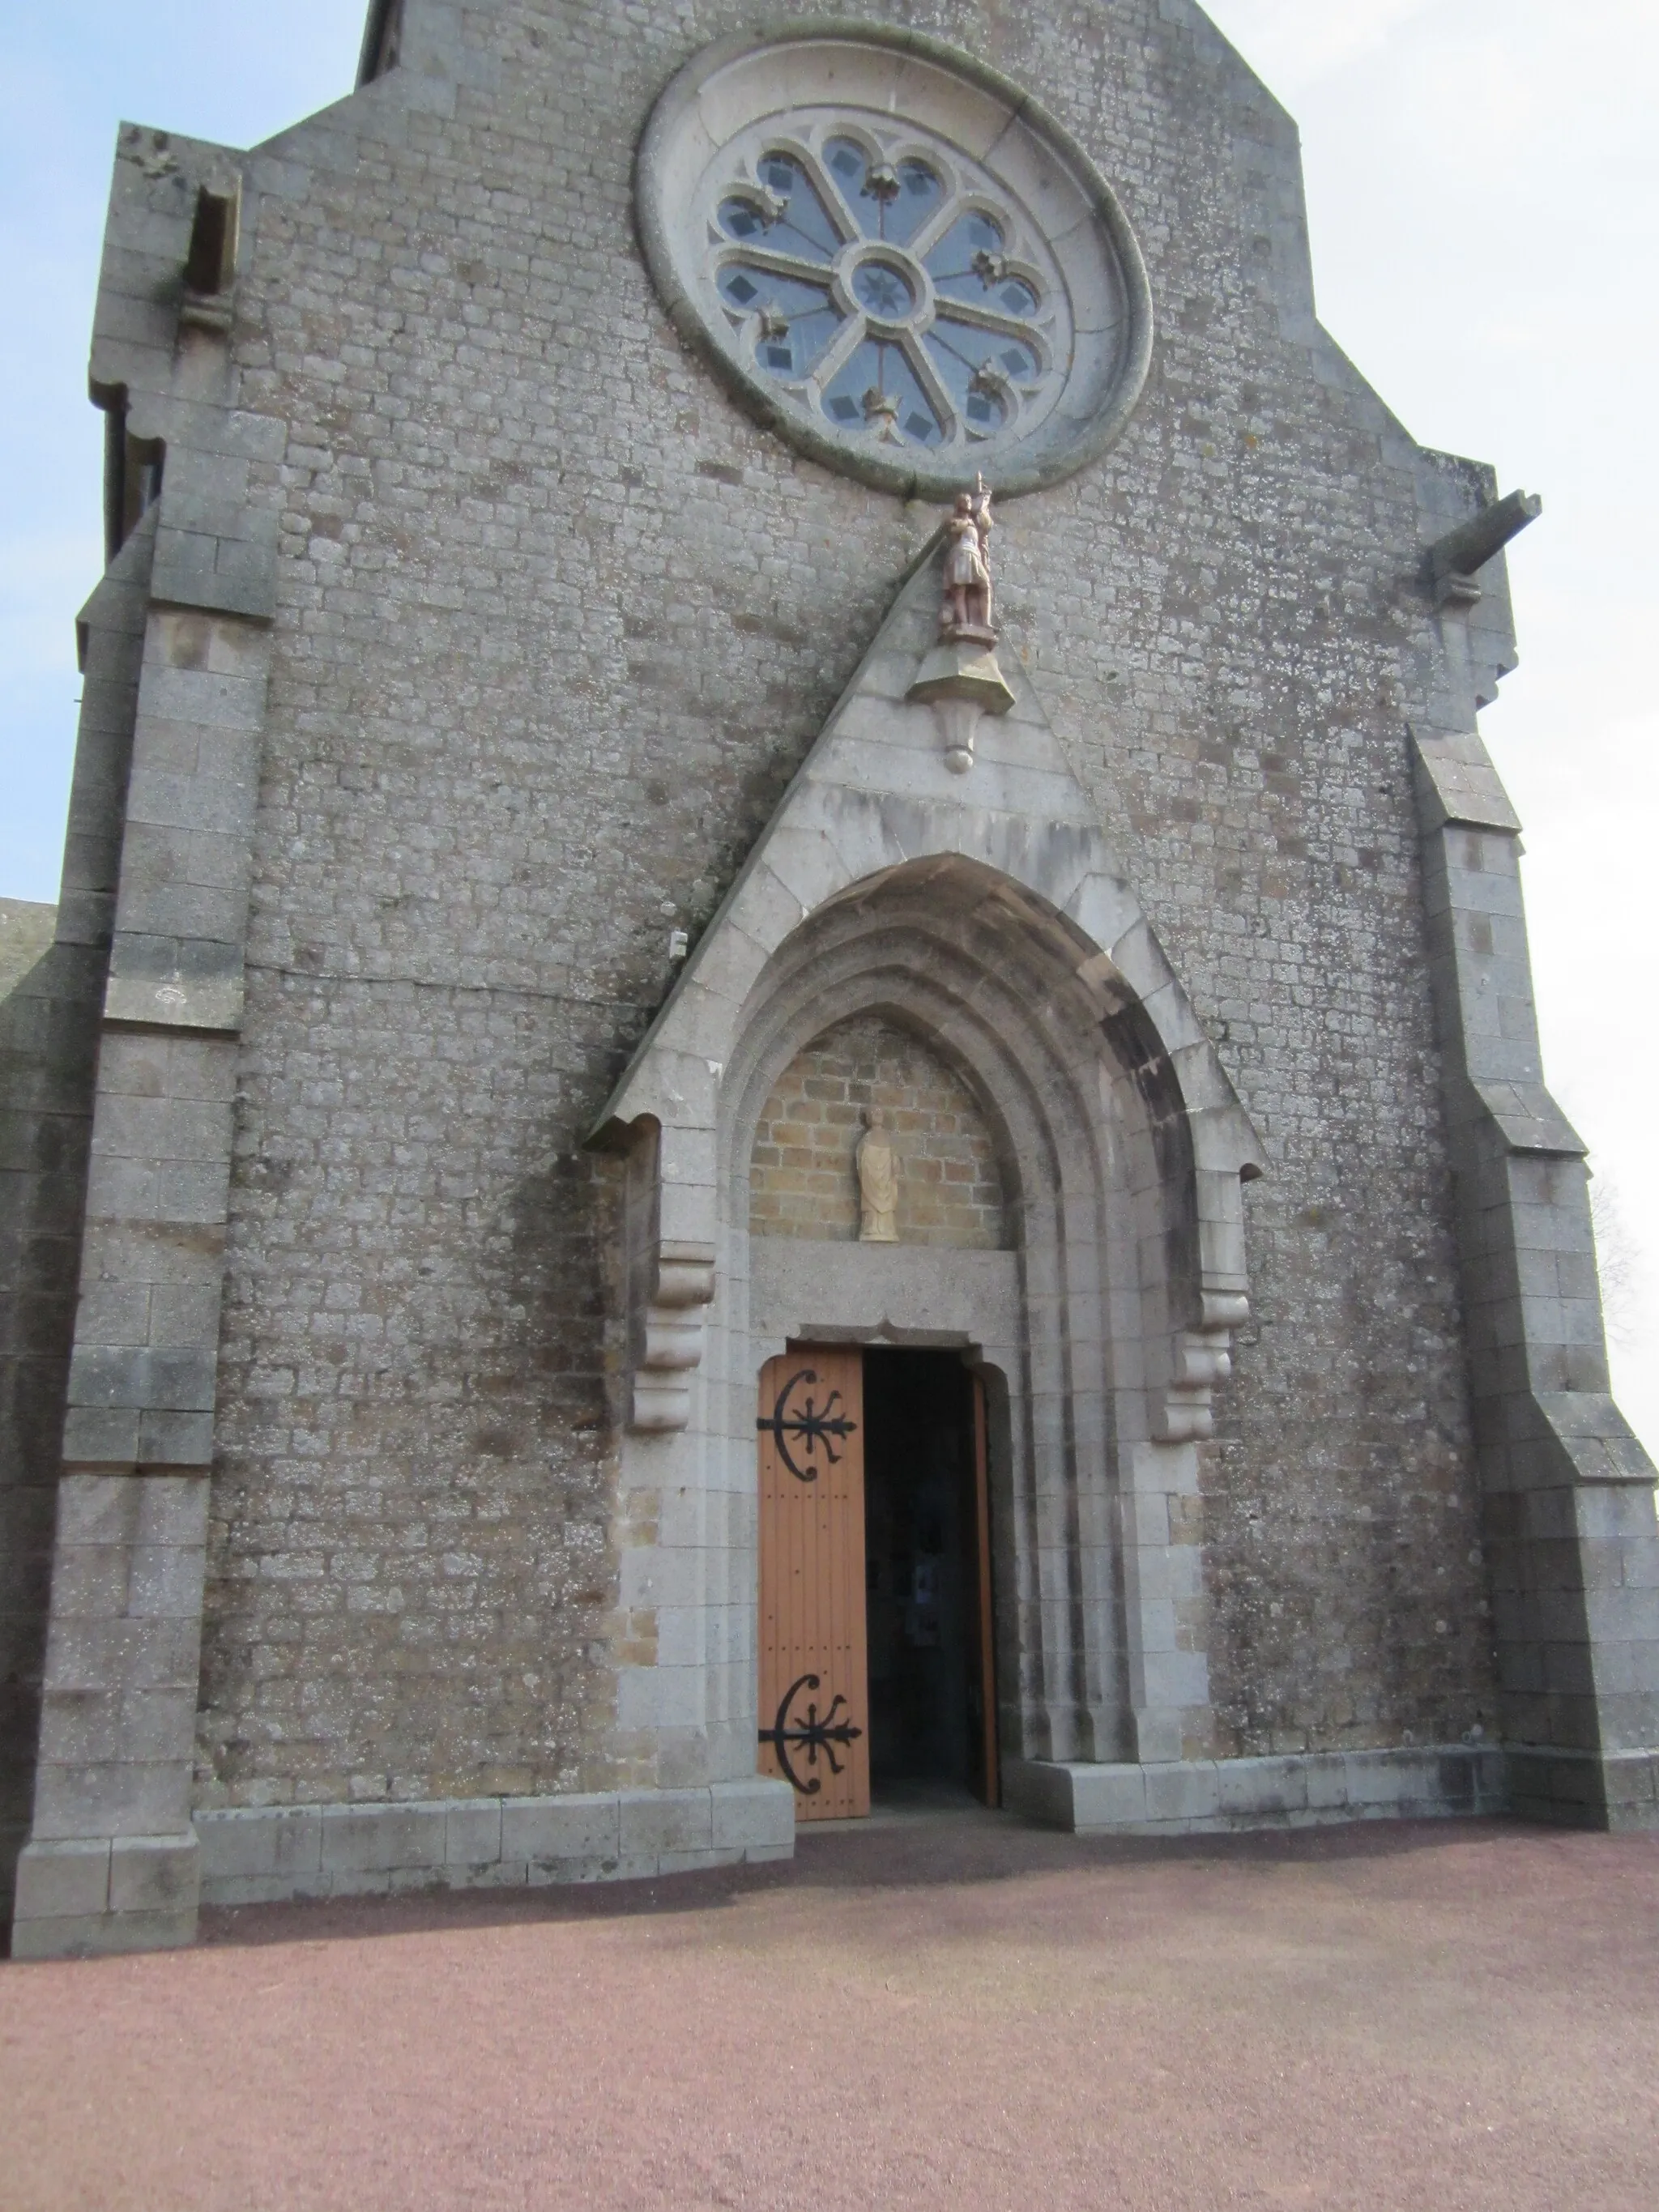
810	1735
814	1661
810	1425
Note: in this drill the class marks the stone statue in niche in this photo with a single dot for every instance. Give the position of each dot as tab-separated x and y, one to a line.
966	612
959	678
877	1173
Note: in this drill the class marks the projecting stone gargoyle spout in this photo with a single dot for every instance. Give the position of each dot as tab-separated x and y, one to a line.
1450	562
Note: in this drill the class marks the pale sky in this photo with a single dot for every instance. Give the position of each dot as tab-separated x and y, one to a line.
1483	187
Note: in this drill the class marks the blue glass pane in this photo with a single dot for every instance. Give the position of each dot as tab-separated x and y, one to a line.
877	389
805	226
969	235
797	317
747	287
843	397
884	291
741	219
920	193
958	350
850	166
887	201
967	265
792	351
847	162
970	363
920	426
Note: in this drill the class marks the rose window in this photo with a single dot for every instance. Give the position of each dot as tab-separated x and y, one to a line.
888	287
916	278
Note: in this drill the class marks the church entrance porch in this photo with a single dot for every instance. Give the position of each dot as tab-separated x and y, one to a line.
876	1665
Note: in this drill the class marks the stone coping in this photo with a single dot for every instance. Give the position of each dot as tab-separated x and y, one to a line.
1204	1796
263	1854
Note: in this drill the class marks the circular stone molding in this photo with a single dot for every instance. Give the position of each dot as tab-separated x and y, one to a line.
894	258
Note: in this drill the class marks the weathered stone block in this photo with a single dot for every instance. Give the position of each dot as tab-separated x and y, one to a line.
381	1839
548	1830
1262	1786
758	1816
654	1822
154	1874
279	1844
63	1881
113	1797
472	1832
1107	1797
1187	1791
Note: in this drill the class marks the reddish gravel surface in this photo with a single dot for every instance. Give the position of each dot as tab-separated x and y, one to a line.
960	2012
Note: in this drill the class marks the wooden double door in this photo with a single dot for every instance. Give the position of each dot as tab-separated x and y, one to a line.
847	1519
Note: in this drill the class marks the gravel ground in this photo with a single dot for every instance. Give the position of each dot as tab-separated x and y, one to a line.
951	2011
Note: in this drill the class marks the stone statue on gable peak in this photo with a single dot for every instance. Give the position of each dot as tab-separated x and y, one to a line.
966	612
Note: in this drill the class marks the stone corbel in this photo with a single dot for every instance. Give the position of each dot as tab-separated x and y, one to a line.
667	1331
1203	1360
1218	1304
668	1246
670	1278
960	680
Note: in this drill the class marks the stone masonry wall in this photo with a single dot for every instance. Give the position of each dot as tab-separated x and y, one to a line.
556	623
802	1180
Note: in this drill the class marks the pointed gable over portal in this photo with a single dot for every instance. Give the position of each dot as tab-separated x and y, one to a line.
883	796
937	864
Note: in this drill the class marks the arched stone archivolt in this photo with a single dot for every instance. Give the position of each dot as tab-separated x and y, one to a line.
1124	1213
1108	1328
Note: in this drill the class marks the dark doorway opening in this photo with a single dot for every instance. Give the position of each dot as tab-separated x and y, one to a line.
928	1574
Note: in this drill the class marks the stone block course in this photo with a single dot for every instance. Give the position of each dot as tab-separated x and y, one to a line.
254	1855
281	1843
1205	1796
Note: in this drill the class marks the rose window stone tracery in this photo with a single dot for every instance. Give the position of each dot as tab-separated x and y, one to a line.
884	281
894	258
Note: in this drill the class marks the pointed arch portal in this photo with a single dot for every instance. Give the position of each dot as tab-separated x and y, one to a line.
984	915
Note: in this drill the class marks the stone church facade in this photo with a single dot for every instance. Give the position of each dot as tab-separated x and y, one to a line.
535	803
